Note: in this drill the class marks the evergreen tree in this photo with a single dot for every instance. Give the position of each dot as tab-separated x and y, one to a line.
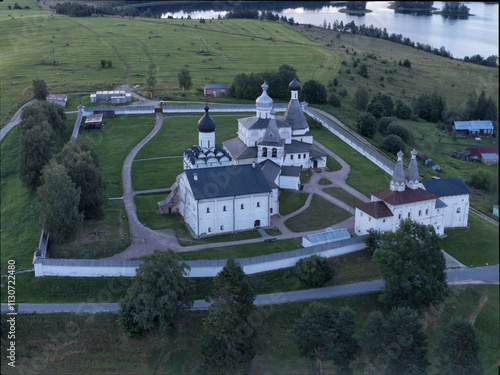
159	294
459	349
372	340
406	343
58	199
228	341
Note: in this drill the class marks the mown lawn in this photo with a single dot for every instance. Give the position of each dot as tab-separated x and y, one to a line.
291	201
319	215
474	246
156	173
343	195
114	143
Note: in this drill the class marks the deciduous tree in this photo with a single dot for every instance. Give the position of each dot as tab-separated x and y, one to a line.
314	270
58	199
361	98
412	266
151	79
367	125
40	91
159	294
313	92
393	144
184	78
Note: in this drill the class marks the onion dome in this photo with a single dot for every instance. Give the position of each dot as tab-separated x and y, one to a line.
206	124
264	102
294	85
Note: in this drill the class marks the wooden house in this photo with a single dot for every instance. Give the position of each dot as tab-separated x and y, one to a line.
474	128
216	90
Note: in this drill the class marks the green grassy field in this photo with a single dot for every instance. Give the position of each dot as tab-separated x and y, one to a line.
80	44
98	238
319	215
94	343
291	201
155	174
114	143
343	195
481	238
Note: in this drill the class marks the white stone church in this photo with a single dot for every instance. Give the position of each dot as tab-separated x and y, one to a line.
442	203
236	187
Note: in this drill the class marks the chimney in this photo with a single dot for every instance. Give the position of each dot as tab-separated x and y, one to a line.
253	165
195	176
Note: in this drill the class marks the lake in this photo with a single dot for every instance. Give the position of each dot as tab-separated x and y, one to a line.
476	35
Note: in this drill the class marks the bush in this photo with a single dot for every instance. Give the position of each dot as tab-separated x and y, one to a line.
314	271
393	144
367	125
334	100
399	130
402	110
480	180
384	122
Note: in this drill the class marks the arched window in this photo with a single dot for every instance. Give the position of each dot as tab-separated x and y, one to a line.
224	208
209	229
242	206
222	227
274	153
208	210
258	204
264	151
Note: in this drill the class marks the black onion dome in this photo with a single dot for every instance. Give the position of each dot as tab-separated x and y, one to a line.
294	85
206	124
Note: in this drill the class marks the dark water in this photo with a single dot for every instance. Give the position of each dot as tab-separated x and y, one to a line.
462	37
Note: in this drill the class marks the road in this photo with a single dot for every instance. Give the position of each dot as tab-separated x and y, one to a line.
480	275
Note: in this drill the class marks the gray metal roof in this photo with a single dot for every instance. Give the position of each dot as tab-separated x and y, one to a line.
216	86
440	203
328	235
295	116
290	171
234	180
446	186
255	122
412	173
239	150
398	176
271	170
473	125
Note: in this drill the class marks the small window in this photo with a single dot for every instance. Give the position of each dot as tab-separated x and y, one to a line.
399	217
274	153
209	229
458	210
222	227
427	211
419	212
258	204
270	210
224	208
304	156
264	152
291	157
383	221
242	206
408	214
208	210
299	156
369	218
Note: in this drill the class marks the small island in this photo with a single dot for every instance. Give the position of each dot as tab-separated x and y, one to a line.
412	6
454	9
355	8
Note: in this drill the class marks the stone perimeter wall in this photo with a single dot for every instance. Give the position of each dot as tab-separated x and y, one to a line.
199	268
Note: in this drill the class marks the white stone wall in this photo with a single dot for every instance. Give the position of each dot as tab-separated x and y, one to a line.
289	182
364	222
292	159
206	140
456	215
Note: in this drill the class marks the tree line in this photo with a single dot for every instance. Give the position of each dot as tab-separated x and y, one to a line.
377	32
395	343
69	184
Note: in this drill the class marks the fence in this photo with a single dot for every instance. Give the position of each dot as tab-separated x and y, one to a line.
199	268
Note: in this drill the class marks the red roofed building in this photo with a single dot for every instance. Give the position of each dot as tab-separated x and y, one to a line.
404	199
475	152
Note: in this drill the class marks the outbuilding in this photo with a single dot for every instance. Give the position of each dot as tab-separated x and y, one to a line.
93	121
479	128
57	98
216	90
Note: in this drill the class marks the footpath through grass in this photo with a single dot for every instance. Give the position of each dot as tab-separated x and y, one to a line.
80	346
343	195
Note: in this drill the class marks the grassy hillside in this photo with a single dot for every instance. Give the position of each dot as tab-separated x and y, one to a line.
234	46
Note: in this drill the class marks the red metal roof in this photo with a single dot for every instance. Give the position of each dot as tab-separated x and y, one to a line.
483	150
375	209
396	198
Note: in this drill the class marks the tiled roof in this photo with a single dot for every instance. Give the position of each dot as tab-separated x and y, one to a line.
375	209
473	125
446	186
227	181
396	198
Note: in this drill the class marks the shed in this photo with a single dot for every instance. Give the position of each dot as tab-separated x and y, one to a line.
475	152
422	157
433	165
495	210
57	98
216	90
329	235
93	121
489	158
479	128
